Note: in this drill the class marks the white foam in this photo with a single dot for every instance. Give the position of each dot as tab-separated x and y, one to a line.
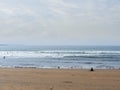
54	54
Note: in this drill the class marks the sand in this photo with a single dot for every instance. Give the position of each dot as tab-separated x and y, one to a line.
58	79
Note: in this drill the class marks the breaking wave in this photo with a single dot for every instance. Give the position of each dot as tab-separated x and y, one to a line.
60	54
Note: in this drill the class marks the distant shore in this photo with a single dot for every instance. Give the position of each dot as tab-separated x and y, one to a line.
58	79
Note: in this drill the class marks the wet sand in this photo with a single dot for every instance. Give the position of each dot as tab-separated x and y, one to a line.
58	79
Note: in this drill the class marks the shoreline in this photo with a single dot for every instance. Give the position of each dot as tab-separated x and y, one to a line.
58	79
57	68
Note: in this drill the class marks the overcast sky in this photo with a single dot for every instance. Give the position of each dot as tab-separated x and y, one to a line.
60	22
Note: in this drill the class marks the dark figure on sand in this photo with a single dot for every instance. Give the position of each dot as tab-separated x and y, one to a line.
58	67
91	69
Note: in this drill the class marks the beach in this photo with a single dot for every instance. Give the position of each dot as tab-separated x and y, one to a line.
58	79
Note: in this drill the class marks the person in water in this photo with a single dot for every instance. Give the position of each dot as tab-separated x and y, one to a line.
4	57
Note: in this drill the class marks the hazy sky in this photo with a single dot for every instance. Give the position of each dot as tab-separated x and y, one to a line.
60	22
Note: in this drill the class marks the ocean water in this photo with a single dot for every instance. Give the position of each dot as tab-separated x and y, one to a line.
83	57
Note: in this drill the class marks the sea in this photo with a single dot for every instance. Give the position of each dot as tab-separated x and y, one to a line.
65	57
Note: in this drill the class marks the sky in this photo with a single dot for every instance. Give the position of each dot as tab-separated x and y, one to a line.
60	22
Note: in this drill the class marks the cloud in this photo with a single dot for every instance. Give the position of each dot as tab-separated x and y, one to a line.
60	21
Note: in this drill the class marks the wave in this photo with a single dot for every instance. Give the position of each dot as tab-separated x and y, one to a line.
60	54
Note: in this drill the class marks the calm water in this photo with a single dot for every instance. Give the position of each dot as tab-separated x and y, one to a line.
101	57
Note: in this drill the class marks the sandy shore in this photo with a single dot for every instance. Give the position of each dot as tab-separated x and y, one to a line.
51	79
